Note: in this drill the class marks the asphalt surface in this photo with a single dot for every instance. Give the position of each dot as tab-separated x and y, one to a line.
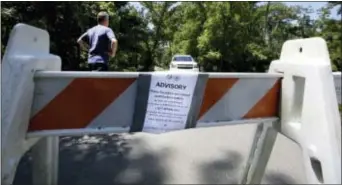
197	156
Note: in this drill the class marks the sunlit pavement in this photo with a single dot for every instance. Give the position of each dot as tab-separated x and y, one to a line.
207	155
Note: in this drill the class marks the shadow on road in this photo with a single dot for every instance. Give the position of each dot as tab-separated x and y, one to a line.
222	171
100	160
278	178
109	159
226	171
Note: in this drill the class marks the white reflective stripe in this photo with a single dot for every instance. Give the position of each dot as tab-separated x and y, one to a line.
85	74
46	89
239	100
75	132
119	112
82	74
237	122
245	75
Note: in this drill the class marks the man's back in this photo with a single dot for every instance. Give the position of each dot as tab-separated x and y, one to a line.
102	43
99	42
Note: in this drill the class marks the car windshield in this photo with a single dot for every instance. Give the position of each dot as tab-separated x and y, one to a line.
182	58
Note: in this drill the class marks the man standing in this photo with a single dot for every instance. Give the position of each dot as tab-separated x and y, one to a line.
101	43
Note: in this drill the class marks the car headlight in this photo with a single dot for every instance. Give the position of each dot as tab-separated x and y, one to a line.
172	65
195	65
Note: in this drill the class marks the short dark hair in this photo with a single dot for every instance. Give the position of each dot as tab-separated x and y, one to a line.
102	16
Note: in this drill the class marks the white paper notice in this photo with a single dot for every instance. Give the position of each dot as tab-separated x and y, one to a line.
169	101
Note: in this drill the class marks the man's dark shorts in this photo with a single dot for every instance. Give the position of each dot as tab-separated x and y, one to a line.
98	67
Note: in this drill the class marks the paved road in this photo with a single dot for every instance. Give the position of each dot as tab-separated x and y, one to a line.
198	156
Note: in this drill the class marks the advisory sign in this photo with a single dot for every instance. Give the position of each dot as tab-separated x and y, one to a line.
169	101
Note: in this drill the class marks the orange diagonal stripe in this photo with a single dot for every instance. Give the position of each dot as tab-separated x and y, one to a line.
79	103
268	105
214	91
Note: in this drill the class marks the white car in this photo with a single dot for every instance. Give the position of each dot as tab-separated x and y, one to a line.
182	63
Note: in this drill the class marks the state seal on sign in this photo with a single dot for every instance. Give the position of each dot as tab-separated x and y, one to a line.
174	77
169	76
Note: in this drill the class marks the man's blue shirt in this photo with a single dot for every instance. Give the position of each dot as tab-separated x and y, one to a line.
99	39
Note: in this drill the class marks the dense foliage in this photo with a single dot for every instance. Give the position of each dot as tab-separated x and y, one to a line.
221	36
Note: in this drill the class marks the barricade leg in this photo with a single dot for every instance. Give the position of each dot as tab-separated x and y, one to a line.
10	159
260	153
45	161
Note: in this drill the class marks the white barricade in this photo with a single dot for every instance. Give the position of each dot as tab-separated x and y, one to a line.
27	52
309	108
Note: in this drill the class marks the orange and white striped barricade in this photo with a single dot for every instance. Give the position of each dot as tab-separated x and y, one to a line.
83	102
78	103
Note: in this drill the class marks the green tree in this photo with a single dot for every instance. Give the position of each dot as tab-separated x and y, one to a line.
66	21
221	36
156	15
331	30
